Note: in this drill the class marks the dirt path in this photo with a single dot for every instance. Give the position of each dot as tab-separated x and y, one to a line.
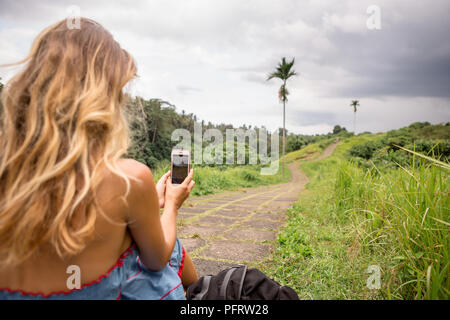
238	227
327	152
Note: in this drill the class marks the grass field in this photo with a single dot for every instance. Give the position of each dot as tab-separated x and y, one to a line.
350	218
219	178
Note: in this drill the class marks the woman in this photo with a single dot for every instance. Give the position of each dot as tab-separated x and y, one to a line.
72	211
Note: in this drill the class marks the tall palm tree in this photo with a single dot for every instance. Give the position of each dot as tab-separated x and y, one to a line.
354	104
283	72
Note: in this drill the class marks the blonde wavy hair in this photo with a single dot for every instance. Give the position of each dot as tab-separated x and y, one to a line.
62	122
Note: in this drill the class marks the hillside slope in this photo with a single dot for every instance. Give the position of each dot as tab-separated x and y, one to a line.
359	215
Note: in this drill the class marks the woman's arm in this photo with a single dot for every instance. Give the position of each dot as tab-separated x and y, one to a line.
189	275
154	235
174	198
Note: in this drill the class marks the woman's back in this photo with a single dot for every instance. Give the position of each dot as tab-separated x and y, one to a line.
46	272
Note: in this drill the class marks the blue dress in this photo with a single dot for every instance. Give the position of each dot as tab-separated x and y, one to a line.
128	279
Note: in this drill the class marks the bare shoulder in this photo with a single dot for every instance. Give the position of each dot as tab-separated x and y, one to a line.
134	168
138	170
113	186
142	196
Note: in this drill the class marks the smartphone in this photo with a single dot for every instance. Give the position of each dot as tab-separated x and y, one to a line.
180	165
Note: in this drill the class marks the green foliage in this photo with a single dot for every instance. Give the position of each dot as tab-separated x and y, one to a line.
296	142
283	72
365	150
294	243
338	129
385	150
418	125
354	104
214	179
249	176
152	122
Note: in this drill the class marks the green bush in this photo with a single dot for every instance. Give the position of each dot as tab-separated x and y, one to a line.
439	149
385	151
365	150
249	176
418	125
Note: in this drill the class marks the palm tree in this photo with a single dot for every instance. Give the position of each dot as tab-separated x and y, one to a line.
283	72
354	104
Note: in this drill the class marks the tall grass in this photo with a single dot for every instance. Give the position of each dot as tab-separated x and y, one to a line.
316	253
403	213
351	217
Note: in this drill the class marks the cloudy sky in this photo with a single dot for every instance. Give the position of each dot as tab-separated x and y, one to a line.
211	57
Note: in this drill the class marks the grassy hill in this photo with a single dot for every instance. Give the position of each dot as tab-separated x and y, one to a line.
386	208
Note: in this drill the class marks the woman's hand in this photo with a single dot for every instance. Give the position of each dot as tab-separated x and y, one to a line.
161	188
176	194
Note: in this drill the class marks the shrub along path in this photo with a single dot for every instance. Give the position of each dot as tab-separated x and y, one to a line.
238	227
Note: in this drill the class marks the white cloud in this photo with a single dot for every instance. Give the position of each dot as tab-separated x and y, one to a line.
212	57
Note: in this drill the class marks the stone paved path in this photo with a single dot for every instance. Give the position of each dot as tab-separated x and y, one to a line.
238	227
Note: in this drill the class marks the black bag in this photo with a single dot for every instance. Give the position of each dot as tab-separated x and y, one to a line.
239	283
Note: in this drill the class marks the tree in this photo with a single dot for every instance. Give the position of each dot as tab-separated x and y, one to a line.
283	72
158	115
337	128
354	104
